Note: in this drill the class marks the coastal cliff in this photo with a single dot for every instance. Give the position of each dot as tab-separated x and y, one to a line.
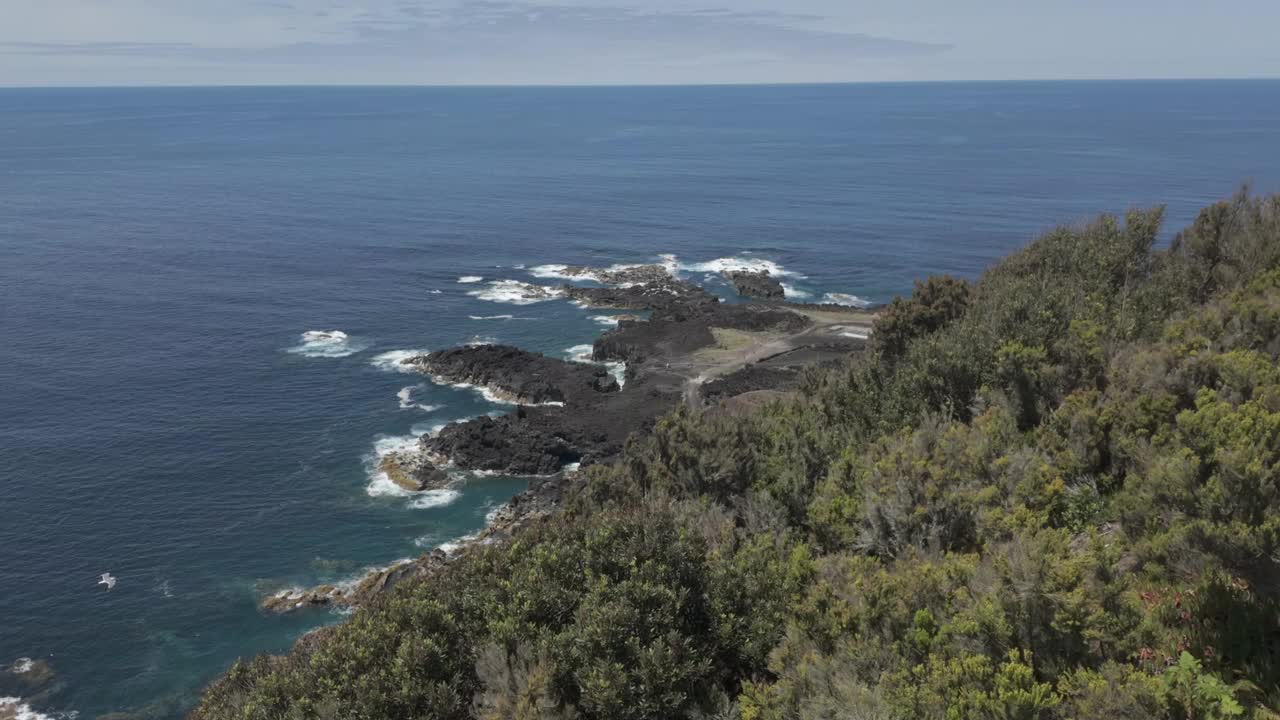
1050	493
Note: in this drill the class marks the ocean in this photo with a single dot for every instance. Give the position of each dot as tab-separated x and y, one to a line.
163	252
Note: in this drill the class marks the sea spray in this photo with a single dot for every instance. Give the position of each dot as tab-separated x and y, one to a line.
326	344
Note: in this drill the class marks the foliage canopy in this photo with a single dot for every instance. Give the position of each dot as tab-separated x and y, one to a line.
1052	493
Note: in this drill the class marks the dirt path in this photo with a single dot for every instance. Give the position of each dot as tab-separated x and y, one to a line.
735	350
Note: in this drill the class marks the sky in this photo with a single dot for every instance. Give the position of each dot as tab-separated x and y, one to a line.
570	42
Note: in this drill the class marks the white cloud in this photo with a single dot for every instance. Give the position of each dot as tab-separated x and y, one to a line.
624	41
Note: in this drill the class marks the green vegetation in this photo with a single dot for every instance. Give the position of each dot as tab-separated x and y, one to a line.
1054	493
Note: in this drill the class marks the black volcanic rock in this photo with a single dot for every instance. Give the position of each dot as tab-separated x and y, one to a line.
620	275
575	412
681	330
752	378
542	440
373	585
509	444
657	295
759	285
518	375
413	472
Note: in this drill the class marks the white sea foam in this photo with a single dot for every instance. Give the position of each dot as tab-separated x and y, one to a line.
406	400
606	320
18	710
381	484
406	397
515	292
719	265
585	274
393	361
556	272
434	498
427	541
165	588
427	428
454	546
387	444
482	340
327	344
349	584
470	279
486	393
619	372
22	666
795	293
845	299
492	395
492	317
619	267
582	354
435	292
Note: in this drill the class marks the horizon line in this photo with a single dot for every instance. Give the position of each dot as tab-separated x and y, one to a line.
512	86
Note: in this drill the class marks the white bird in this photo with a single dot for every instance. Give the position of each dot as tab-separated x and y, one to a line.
108	580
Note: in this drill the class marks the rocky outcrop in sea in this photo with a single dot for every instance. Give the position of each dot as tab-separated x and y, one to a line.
653	295
756	285
516	375
692	349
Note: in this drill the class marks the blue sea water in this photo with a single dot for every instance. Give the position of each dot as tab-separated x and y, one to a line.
163	250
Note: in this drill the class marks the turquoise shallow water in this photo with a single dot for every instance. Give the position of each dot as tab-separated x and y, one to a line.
162	251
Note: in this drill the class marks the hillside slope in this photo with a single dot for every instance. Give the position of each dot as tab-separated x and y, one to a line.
1054	493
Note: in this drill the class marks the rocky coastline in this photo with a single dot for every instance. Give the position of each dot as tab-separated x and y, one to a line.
517	376
25	682
758	285
692	349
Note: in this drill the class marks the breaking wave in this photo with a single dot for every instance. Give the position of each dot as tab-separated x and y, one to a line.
493	395
554	272
393	361
381	485
582	273
434	498
794	293
327	344
515	292
470	279
14	707
719	265
582	354
846	299
406	400
454	546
